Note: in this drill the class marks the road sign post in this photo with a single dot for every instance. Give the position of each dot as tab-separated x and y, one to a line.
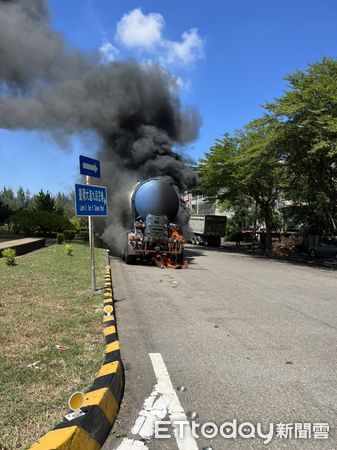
90	201
91	246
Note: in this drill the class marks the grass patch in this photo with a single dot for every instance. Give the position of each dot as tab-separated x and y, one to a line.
45	301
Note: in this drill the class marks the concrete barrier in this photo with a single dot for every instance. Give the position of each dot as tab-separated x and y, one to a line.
23	246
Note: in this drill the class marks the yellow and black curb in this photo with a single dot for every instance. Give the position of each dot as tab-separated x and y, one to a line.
101	401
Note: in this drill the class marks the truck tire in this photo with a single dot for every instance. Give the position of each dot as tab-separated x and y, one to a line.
129	259
217	242
180	258
214	242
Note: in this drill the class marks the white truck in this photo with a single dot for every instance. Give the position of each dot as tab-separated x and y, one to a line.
207	229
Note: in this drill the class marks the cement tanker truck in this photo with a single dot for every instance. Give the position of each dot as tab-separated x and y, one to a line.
154	233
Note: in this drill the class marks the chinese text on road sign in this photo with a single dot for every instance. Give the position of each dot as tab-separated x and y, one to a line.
90	200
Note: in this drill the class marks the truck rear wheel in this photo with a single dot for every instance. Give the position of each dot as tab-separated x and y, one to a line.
129	259
215	242
180	258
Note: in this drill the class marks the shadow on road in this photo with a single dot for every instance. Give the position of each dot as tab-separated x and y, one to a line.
297	260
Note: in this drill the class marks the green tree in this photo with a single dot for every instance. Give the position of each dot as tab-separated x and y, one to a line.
23	223
7	197
65	203
5	212
39	222
15	201
244	165
243	215
306	142
44	202
23	199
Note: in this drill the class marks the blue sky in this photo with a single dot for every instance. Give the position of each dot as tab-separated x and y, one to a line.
241	51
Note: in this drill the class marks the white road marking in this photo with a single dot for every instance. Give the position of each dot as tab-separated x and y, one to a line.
132	444
175	410
162	400
153	409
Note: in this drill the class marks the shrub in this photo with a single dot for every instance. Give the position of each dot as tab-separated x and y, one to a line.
9	255
23	223
69	249
37	222
69	235
234	235
60	238
84	235
76	222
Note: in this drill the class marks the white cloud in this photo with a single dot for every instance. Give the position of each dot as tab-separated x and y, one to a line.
108	52
187	51
144	32
179	83
182	85
140	30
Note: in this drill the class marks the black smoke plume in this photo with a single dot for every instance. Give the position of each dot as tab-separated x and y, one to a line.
132	108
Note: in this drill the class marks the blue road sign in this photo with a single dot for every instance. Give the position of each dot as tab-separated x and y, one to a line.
90	200
89	166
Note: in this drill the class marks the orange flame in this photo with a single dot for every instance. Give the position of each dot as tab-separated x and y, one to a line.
176	234
168	261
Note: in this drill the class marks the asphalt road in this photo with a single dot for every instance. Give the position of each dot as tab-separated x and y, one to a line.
251	339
